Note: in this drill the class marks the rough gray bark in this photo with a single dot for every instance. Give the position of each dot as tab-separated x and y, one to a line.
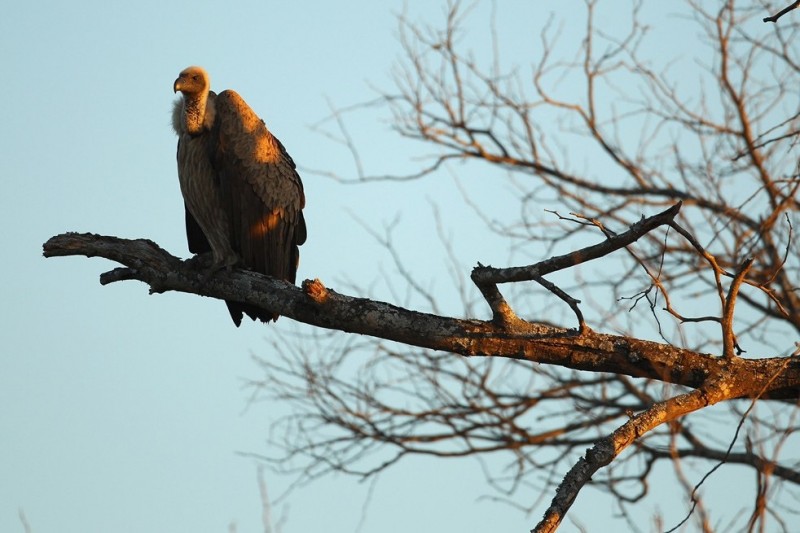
314	304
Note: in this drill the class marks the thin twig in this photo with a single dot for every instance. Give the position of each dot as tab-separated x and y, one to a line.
782	12
728	336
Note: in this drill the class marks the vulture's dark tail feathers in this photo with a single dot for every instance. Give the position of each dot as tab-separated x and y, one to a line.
238	310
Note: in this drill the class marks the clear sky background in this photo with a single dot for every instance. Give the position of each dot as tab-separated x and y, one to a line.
123	412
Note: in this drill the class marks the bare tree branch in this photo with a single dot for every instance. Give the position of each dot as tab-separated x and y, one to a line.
325	308
605	450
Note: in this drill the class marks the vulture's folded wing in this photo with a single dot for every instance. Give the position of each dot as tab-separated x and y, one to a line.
260	189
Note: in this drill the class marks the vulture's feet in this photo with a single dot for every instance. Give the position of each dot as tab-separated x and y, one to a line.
212	267
206	265
200	262
227	262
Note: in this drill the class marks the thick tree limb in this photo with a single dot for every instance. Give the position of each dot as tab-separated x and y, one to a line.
608	448
321	307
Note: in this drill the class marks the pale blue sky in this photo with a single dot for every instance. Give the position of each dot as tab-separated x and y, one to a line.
122	412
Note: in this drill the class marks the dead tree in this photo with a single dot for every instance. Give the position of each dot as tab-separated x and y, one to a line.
697	210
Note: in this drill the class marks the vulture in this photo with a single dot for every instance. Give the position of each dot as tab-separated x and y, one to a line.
242	195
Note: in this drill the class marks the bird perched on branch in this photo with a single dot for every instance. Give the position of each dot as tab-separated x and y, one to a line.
242	194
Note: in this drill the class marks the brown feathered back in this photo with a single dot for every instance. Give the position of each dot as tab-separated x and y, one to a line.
259	189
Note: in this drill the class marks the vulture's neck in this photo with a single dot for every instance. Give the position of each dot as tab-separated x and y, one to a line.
197	114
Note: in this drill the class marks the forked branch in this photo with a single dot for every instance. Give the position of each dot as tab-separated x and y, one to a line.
486	278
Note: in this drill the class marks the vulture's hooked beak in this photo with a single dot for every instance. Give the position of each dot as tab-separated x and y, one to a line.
177	85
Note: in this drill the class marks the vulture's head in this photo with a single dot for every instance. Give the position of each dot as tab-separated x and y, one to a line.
192	81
